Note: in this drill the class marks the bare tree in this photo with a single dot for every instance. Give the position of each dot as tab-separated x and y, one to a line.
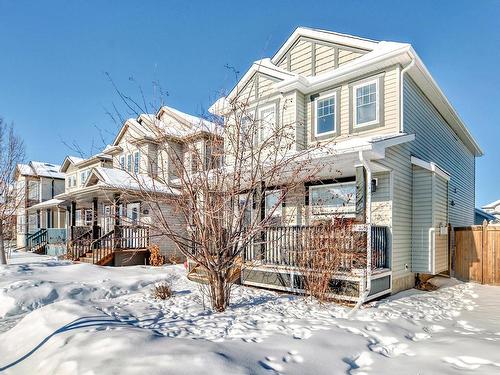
228	172
11	153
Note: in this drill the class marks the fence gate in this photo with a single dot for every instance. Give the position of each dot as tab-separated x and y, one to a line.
477	254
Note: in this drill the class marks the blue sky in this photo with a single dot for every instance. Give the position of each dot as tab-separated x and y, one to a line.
54	56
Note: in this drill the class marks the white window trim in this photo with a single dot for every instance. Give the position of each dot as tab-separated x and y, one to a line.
138	155
260	110
355	104
316	134
338	210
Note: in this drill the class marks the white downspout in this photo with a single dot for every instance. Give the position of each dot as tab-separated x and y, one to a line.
401	93
432	250
368	211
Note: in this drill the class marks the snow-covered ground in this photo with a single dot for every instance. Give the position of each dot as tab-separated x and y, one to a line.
63	318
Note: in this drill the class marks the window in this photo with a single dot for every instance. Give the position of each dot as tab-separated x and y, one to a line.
89	217
129	163
273	207
337	198
136	162
325	115
267	123
122	162
33	190
245	208
366	111
83	177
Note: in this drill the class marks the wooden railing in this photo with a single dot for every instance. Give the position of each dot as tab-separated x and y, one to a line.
79	246
37	240
103	247
133	237
283	245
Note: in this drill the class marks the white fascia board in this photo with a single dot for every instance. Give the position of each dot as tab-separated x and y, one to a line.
430	166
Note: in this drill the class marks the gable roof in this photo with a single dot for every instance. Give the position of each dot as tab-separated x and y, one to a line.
119	179
179	125
380	55
75	160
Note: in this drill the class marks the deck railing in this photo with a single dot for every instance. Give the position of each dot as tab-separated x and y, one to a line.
36	241
283	245
122	237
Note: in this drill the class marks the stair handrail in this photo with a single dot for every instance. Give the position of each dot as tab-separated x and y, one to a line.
97	250
39	235
79	238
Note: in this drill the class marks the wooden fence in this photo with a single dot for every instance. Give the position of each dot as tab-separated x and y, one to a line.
477	254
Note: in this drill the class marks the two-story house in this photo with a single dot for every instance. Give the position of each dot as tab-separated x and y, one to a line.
37	184
396	145
109	196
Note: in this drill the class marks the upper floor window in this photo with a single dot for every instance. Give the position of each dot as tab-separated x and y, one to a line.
267	122
33	190
366	110
122	162
83	177
325	115
137	157
129	163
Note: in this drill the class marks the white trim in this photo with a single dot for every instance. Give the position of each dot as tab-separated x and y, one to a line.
430	166
316	100
355	104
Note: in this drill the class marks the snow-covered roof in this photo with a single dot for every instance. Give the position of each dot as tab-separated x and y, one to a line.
491	205
40	169
74	160
120	179
48	203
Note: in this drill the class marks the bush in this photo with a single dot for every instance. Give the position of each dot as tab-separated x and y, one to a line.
155	258
162	291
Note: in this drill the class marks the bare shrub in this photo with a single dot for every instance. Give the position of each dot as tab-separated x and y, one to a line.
155	258
162	291
330	247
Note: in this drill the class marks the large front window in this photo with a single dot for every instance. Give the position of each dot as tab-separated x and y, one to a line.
325	115
339	198
366	111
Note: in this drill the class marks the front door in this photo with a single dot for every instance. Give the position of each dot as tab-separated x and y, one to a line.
133	220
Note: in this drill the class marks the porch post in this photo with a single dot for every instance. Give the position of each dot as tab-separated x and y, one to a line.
95	226
117	221
360	194
72	222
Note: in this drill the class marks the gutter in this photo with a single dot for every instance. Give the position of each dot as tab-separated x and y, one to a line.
401	93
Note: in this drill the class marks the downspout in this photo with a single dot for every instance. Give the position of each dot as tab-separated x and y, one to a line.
432	250
401	93
368	221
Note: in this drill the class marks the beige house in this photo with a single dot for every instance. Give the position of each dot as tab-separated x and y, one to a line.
38	183
110	222
396	144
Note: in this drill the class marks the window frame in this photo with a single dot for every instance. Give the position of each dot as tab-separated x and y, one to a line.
355	103
316	101
136	162
121	161
339	210
278	210
259	118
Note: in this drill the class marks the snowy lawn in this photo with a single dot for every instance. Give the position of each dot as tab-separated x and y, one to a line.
63	318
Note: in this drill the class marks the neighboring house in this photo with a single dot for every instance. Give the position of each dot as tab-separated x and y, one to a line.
38	183
397	141
480	216
493	208
103	193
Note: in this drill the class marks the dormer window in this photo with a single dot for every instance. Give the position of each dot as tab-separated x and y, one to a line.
136	162
366	111
325	115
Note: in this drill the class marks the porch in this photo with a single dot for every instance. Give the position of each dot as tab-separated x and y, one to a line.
275	260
